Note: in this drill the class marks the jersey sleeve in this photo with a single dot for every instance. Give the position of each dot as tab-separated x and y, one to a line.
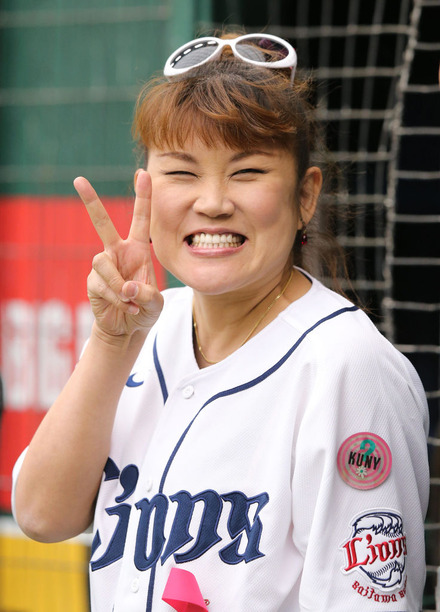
361	481
15	473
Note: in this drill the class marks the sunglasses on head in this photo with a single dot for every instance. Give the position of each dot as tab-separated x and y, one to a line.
258	49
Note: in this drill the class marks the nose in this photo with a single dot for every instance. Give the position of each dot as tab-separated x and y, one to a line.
213	201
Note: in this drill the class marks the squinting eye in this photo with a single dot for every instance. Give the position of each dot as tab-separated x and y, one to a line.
180	173
250	171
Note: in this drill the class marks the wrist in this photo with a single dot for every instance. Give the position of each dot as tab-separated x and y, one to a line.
119	342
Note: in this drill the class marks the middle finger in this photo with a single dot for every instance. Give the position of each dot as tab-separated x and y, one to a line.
140	225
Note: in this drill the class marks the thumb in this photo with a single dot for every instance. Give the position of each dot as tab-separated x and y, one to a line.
130	290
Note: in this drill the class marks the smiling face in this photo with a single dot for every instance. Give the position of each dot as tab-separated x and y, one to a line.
223	220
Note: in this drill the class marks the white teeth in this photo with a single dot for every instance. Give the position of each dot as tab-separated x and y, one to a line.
215	241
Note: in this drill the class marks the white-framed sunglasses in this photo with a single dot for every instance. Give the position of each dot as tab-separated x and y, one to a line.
259	49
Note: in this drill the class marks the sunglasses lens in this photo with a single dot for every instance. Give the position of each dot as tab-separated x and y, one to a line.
194	55
261	49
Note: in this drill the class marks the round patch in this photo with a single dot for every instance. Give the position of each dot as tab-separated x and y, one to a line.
364	460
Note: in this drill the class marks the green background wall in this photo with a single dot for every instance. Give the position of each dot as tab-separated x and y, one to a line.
69	76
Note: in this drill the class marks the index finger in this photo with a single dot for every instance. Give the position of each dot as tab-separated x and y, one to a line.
140	224
97	213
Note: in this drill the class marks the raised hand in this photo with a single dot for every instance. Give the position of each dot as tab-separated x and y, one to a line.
122	286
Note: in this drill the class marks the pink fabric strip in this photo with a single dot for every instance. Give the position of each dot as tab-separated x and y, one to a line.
182	592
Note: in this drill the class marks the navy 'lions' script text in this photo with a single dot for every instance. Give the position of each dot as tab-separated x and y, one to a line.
155	542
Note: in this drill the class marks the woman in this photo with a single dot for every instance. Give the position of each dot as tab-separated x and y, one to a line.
252	428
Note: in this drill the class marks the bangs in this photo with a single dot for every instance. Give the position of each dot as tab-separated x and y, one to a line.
217	104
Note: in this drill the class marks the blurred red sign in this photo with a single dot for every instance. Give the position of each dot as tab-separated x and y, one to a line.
46	248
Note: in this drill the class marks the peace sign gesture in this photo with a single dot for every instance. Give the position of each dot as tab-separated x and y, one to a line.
122	286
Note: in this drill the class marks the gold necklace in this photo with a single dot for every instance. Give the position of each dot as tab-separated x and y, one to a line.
253	328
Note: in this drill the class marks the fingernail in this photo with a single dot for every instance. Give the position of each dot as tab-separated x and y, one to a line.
133	309
131	291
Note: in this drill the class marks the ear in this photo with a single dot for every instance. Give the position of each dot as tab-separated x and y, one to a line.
309	194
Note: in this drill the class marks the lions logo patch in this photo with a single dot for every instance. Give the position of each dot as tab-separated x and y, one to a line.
376	549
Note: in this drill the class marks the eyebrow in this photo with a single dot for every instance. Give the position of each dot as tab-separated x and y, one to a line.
179	155
244	154
186	157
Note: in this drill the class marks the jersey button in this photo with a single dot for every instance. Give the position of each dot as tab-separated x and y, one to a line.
188	392
134	586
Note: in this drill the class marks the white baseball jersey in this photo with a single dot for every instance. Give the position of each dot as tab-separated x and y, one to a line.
291	476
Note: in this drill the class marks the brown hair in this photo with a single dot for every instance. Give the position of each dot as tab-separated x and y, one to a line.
243	105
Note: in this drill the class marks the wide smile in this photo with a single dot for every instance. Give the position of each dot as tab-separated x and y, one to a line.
204	240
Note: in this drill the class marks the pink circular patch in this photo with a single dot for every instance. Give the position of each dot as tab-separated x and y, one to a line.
364	460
